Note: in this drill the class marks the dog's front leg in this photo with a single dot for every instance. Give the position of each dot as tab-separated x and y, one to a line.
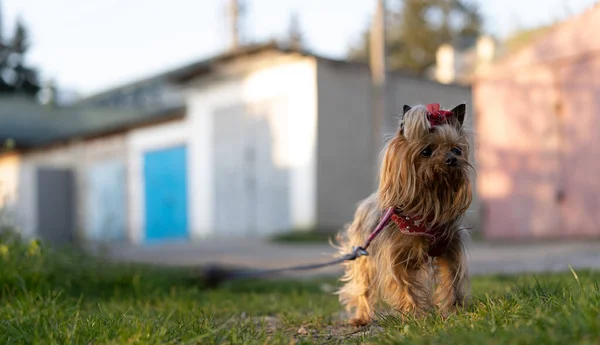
451	275
408	292
357	293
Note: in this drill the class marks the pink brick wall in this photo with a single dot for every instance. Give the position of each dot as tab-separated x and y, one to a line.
536	122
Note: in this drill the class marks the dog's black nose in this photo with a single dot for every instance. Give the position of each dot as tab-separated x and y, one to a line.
451	160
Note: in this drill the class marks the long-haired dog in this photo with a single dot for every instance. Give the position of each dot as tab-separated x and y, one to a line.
417	263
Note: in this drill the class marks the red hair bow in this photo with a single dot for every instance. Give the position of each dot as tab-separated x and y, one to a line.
436	116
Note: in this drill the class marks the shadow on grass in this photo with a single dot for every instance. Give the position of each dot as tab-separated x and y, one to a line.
279	286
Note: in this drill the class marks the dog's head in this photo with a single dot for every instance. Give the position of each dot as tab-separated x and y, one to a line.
425	168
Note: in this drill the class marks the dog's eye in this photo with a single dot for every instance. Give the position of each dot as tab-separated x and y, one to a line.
426	152
457	151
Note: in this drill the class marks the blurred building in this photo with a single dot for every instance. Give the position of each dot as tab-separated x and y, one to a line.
455	65
65	177
536	110
253	142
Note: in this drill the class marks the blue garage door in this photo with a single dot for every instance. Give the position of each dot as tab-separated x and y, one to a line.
165	186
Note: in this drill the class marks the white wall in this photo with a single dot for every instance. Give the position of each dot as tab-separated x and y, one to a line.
297	82
294	139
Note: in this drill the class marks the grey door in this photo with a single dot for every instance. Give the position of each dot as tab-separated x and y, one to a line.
55	206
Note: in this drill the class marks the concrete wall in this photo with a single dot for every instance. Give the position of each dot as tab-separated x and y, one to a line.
346	173
536	113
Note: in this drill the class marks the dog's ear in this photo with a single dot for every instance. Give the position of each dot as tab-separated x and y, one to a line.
414	123
405	110
459	113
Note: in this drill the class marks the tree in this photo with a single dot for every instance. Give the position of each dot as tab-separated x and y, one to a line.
15	76
417	28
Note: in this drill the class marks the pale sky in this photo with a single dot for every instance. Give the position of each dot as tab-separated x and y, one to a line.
91	45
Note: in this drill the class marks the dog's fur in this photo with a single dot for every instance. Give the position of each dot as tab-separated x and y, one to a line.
398	269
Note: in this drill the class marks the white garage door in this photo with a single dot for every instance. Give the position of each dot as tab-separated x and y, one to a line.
251	189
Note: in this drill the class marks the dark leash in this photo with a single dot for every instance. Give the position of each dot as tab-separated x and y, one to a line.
213	275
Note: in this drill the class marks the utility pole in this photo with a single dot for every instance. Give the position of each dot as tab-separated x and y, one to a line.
234	14
294	32
1	23
378	65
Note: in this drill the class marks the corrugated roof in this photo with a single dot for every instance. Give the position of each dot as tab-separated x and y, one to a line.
30	124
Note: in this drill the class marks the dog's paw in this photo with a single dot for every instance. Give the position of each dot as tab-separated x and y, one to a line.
359	321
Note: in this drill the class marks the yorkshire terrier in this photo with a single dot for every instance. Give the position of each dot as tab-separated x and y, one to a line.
417	263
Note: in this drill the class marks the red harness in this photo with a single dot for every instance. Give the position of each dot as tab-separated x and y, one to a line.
412	227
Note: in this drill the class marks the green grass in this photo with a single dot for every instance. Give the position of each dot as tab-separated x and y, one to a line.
66	298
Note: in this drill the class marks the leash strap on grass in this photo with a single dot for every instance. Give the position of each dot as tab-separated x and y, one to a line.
356	252
215	275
